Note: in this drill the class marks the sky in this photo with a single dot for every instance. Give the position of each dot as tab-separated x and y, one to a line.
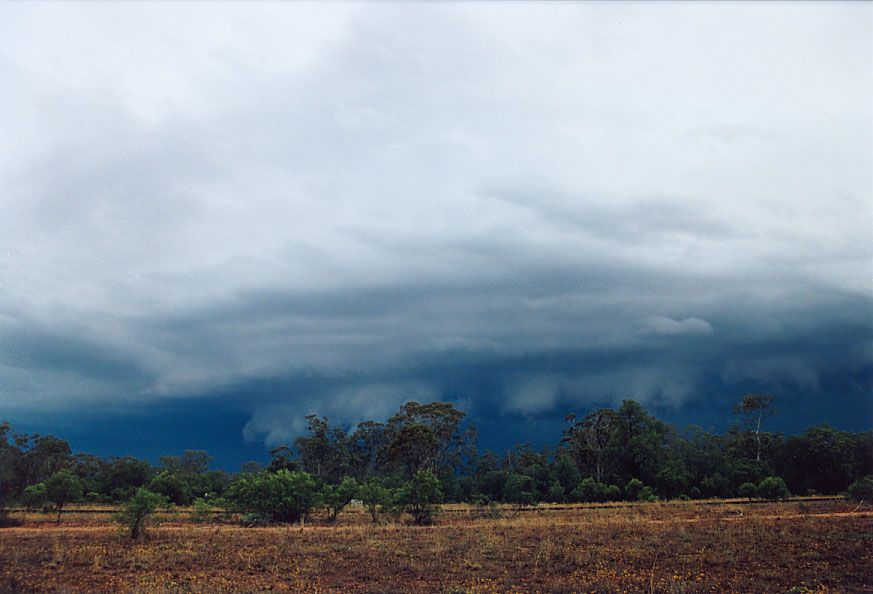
217	218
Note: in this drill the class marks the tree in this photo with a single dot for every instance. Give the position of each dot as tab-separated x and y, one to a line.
773	488
428	436
519	489
375	497
34	497
189	463
638	444
748	490
421	496
284	496
590	490
337	497
755	409
565	473
587	440
125	476
61	488
137	511
171	486
861	490
324	452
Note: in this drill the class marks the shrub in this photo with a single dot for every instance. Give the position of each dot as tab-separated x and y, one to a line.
590	490
136	513
773	488
519	489
61	488
861	490
283	496
420	497
34	497
748	490
647	494
336	497
171	486
375	497
632	489
613	493
202	511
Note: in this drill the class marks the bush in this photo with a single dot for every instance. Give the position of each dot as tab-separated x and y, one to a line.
632	489
420	497
646	494
34	497
337	497
283	496
61	488
519	489
171	486
202	512
590	490
137	512
748	490
375	497
773	488
613	493
861	490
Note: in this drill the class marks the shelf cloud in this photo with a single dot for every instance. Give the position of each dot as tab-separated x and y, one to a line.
522	208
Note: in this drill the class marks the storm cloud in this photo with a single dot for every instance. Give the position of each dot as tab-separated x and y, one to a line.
521	208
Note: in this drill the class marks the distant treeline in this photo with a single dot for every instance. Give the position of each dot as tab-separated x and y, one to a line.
607	454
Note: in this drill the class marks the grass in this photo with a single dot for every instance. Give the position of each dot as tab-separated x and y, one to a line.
679	547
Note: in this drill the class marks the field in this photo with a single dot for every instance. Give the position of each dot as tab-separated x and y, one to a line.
811	545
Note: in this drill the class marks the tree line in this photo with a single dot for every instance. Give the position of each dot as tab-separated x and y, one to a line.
426	454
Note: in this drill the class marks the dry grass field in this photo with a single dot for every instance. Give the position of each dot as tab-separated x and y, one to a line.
677	547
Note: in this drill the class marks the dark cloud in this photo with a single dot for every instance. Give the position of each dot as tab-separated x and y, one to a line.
294	208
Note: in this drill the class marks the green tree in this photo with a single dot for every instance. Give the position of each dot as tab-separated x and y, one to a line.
638	444
283	496
748	490
773	488
519	489
421	496
61	488
861	490
172	486
337	497
376	497
587	441
34	497
754	410
590	490
137	512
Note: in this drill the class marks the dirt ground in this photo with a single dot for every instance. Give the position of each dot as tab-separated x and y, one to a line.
679	547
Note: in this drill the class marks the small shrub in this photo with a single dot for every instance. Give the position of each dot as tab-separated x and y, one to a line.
61	488
202	512
420	497
137	512
748	490
34	497
337	497
861	490
647	494
282	496
376	498
590	490
632	489
773	488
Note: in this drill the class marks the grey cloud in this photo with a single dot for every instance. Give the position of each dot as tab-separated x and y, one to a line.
364	198
670	327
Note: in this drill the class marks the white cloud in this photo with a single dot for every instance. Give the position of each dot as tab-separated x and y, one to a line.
670	327
221	192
